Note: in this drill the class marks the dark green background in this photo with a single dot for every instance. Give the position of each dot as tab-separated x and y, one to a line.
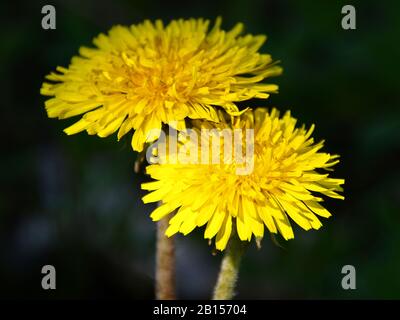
74	202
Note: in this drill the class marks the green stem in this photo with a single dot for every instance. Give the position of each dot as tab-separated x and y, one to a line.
228	274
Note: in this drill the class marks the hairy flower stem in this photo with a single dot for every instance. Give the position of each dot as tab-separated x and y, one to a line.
165	263
228	274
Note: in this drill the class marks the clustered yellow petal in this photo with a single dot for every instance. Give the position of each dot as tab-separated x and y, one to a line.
139	77
290	175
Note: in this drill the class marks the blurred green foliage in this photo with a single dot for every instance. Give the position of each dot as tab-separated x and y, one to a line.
74	202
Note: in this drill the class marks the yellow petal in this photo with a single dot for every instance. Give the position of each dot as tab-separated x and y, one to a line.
138	140
266	216
189	223
77	127
224	233
111	127
318	209
296	215
214	224
162	211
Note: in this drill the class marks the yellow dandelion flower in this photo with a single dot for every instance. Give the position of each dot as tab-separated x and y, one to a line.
288	174
142	76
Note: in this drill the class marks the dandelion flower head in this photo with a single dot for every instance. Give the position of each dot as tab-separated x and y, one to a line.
142	76
289	178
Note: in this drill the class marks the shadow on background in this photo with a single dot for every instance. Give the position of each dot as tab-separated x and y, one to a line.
74	202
